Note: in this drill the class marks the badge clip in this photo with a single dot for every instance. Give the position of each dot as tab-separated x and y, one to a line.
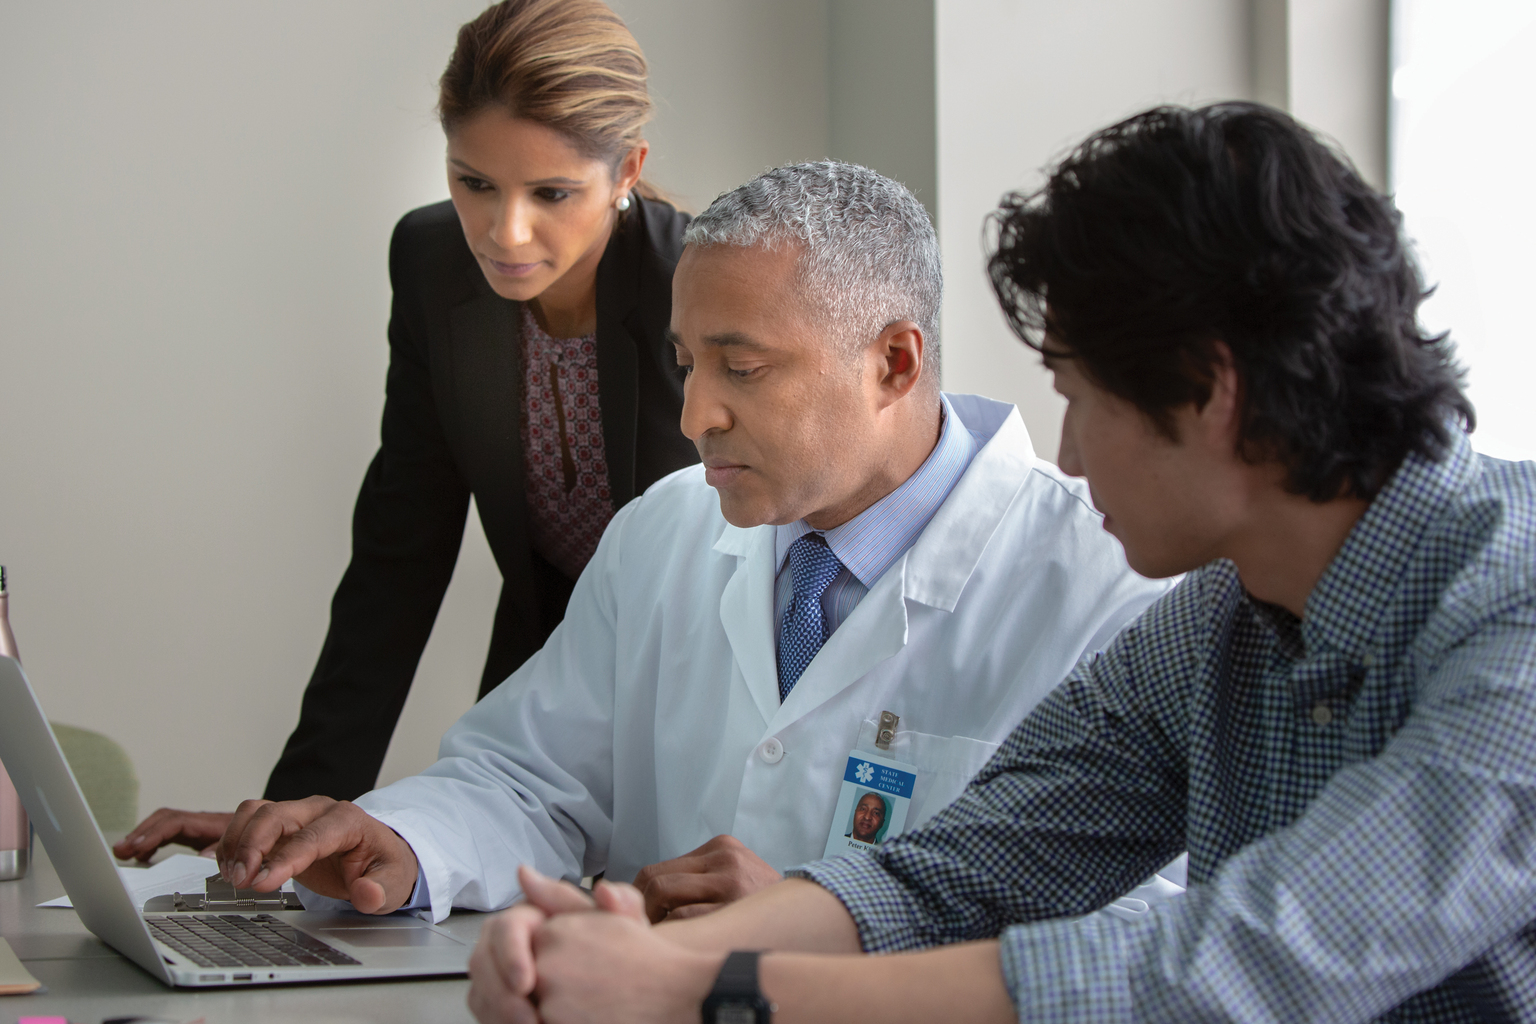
886	731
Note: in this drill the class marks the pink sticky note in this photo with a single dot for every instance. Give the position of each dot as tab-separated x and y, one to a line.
41	1020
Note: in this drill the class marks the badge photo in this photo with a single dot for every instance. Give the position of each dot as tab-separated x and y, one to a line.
872	804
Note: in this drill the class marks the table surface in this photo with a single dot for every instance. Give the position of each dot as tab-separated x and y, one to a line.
87	981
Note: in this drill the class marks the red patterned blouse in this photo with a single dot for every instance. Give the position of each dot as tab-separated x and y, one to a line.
565	462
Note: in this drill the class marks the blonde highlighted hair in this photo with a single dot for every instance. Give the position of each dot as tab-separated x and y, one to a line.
570	65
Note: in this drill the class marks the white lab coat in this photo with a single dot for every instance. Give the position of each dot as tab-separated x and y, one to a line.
650	722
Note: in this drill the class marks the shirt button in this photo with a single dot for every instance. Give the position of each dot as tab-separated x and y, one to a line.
1368	659
1322	714
771	750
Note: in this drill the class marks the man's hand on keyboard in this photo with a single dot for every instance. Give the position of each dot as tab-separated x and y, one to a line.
332	846
197	829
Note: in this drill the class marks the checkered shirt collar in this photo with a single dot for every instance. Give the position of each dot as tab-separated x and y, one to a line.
1344	610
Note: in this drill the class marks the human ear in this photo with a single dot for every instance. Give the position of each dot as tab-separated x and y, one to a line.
628	173
898	353
1221	415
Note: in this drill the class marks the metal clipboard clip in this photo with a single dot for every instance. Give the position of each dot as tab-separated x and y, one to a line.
219	895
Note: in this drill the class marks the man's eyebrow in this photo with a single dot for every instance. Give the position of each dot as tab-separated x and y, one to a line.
730	339
734	339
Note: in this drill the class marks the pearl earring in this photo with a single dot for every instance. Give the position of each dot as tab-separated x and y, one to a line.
621	204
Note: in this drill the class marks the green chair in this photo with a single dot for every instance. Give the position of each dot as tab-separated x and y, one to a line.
105	774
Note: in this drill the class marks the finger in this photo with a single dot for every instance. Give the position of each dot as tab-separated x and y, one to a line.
700	860
263	835
346	846
491	997
379	875
671	891
145	838
508	939
211	850
688	910
233	831
550	894
193	828
688	864
620	898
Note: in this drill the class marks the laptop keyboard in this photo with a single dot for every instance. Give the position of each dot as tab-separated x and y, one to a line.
234	940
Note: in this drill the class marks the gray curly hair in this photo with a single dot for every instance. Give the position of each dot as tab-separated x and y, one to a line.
869	253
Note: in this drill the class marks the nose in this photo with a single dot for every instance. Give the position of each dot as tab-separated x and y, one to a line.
703	410
513	226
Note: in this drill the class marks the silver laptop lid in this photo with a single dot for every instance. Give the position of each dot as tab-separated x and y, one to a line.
64	822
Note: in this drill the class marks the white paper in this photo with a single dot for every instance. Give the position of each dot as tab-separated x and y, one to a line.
183	872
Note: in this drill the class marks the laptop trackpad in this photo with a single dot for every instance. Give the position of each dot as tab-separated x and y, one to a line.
386	936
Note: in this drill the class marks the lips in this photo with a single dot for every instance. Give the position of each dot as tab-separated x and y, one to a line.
720	472
513	269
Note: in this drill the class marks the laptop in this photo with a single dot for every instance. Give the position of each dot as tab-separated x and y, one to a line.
191	949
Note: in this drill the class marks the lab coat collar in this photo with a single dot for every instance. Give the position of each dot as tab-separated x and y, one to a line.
933	572
941	561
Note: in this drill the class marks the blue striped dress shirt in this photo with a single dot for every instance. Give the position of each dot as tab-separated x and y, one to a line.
872	541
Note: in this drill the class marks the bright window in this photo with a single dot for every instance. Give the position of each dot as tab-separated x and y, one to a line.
1463	159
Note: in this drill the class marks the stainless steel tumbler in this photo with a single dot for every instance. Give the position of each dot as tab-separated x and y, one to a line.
15	836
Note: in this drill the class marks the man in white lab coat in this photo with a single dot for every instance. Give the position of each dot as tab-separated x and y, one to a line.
854	543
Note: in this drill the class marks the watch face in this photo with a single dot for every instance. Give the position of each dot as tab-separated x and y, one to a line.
735	1013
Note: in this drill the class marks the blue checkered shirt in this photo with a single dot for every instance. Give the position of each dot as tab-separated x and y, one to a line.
1356	790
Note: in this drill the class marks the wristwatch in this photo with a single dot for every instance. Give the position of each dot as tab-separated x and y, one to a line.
736	999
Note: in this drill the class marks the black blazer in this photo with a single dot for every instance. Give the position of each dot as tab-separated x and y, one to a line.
450	429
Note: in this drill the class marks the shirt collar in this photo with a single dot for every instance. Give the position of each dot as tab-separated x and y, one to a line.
1344	609
870	542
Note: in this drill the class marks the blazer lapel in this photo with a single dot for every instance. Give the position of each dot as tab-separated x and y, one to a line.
485	381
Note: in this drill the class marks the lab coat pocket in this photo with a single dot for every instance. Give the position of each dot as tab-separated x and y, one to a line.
945	765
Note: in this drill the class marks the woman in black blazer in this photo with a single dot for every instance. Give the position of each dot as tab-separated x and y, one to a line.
529	367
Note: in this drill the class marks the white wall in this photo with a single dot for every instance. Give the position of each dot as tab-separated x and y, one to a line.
1325	61
1021	81
739	85
1461	170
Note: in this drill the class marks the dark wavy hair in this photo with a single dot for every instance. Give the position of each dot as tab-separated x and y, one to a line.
1178	229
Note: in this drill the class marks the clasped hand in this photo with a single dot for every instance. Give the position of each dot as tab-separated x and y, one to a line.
565	955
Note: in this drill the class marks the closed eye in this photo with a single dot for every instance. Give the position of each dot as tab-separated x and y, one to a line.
475	184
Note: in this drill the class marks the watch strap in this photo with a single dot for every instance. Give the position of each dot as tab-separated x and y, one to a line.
738	975
736	996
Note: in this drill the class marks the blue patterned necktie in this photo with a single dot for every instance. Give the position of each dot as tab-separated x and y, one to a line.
803	630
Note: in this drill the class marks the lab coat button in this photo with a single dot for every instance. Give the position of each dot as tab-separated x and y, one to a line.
771	750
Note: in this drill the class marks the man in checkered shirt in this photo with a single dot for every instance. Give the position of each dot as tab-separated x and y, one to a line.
1334	713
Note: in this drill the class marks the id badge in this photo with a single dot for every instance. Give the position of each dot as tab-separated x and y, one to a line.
872	805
